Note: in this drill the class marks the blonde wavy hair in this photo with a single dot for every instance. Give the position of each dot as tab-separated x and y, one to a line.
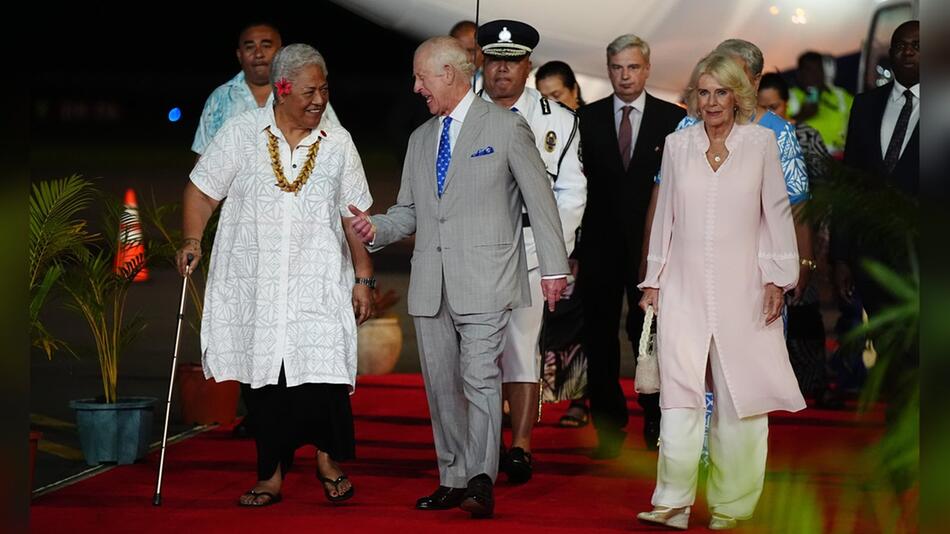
727	72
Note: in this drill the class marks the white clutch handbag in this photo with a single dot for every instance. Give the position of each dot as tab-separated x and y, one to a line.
647	380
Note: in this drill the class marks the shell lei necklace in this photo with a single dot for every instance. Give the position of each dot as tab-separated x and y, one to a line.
305	171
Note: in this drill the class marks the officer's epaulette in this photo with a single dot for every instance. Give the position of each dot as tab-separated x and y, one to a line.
545	106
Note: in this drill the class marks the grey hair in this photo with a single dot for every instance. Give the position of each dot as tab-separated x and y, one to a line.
291	59
444	50
628	41
745	51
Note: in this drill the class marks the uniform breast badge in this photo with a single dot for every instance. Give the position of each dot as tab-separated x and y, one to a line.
550	141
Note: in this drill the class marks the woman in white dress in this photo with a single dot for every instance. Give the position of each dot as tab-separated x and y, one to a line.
283	300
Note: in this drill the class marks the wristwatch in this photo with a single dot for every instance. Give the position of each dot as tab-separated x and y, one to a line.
810	264
368	282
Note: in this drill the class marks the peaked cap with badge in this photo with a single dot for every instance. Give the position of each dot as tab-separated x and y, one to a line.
509	39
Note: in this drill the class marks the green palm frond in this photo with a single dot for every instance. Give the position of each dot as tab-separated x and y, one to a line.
870	215
155	218
57	238
865	207
98	293
54	229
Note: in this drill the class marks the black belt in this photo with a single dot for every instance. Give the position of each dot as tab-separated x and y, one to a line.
525	221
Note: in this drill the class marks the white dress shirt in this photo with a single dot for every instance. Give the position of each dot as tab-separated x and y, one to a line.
892	110
636	114
458	115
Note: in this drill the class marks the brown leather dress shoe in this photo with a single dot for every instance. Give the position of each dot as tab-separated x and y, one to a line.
444	498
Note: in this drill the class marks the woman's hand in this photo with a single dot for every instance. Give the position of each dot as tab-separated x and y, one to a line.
363	303
651	297
190	246
772	306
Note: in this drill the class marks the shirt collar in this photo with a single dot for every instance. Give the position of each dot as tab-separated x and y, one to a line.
461	109
238	80
523	104
897	92
731	141
267	119
239	83
637	104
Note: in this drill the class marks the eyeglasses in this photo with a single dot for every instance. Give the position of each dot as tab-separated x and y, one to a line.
902	46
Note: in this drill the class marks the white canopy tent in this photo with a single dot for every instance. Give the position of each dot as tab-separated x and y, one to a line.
679	31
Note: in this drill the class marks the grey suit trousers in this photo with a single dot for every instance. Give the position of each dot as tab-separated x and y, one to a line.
459	355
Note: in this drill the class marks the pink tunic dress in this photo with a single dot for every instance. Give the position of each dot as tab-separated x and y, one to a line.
718	238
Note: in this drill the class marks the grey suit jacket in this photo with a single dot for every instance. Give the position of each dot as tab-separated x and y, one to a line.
472	235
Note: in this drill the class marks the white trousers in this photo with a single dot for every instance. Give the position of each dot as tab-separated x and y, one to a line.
737	453
521	359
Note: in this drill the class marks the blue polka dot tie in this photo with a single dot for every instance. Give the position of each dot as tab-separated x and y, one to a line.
445	156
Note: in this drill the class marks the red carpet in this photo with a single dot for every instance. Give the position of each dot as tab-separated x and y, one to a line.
815	457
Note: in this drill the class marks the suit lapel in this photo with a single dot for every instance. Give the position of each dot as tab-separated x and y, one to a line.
430	149
880	106
640	145
465	144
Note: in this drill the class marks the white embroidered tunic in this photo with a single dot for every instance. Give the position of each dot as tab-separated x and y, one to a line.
280	283
718	238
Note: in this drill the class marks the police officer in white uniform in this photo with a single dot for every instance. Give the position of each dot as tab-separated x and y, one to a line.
507	46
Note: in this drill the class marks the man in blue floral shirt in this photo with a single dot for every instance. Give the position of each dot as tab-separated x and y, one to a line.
250	89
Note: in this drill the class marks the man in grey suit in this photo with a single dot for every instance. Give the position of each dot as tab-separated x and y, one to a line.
467	173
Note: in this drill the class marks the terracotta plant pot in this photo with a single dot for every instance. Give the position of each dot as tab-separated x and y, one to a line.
203	400
379	342
34	442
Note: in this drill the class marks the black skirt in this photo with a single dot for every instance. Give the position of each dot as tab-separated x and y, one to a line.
285	418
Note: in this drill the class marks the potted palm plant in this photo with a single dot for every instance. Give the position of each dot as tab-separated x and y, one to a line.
57	238
111	428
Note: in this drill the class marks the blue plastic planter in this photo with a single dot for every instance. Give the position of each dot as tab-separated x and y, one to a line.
119	432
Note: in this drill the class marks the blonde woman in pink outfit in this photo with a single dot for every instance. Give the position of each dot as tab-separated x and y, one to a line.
722	254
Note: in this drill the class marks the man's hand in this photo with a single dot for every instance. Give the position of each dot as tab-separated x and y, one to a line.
363	303
552	288
362	225
192	247
843	282
772	307
651	297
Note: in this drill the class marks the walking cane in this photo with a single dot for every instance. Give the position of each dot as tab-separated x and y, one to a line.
157	499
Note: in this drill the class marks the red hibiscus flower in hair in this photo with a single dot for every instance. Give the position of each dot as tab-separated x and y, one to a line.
283	87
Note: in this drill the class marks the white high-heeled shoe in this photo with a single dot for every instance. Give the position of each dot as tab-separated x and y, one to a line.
664	515
722	522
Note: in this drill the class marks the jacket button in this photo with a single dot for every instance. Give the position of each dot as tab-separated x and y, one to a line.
438	249
442	220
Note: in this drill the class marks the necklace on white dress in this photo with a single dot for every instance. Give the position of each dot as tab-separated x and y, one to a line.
305	171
